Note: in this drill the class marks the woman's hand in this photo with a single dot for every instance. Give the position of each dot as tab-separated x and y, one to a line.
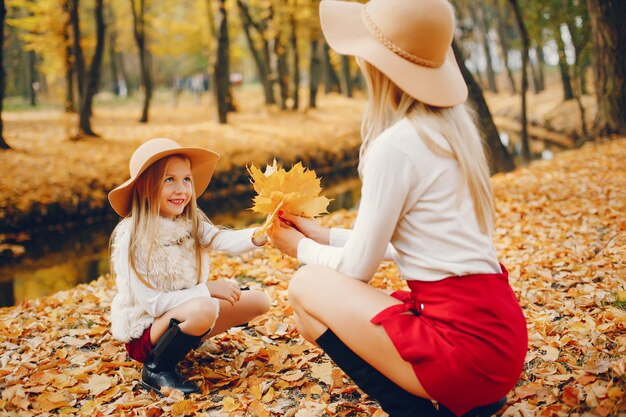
285	238
309	227
224	290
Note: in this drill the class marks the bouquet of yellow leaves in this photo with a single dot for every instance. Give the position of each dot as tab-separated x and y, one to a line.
295	192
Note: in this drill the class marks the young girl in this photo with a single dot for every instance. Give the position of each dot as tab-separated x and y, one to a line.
164	305
459	336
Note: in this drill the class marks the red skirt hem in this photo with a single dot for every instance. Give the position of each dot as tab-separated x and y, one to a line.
138	349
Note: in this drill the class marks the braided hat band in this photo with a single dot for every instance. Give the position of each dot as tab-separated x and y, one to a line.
375	30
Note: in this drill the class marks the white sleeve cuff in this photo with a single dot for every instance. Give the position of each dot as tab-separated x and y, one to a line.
339	237
308	251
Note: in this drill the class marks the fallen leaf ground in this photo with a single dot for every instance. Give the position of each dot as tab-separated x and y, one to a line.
561	231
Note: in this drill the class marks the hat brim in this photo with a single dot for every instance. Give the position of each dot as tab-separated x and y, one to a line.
346	34
203	164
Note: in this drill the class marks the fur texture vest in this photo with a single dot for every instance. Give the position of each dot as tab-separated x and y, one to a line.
172	266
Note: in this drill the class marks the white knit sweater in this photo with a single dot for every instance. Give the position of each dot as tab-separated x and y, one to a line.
409	198
171	271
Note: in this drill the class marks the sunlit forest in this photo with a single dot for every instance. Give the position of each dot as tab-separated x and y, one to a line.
84	82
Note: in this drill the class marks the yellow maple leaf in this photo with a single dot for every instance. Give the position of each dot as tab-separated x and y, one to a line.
296	191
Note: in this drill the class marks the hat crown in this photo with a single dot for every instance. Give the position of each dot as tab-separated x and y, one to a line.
148	149
422	28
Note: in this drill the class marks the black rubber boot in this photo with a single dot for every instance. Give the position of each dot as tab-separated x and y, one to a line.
159	370
394	400
483	411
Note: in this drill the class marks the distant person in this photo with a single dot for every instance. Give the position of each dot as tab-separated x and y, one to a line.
458	337
121	88
164	306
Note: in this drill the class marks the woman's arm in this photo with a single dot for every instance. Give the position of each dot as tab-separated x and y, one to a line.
339	237
387	179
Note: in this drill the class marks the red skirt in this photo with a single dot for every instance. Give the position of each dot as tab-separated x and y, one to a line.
465	337
139	348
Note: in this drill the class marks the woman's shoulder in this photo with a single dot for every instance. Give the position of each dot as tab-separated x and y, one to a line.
397	141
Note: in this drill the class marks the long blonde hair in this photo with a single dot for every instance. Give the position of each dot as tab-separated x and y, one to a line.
388	103
144	215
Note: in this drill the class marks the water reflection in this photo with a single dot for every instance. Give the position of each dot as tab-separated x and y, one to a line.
56	261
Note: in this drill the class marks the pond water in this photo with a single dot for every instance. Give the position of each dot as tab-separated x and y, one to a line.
59	260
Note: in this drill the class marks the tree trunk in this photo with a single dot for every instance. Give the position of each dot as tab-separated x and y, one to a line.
504	44
568	93
32	78
541	61
115	75
69	105
222	67
260	61
525	45
609	41
79	61
499	157
331	79
296	63
213	36
315	72
347	76
534	70
481	21
94	73
3	13
139	30
283	71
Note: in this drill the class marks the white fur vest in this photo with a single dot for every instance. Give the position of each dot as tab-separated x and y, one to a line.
172	266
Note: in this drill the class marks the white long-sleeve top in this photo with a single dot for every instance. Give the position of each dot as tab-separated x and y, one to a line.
171	272
409	199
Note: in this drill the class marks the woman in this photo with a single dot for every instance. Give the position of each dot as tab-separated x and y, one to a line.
459	336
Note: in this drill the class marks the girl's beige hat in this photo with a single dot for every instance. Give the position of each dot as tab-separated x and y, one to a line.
408	40
203	164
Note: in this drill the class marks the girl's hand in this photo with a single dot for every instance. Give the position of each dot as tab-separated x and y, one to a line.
224	290
260	240
309	227
285	238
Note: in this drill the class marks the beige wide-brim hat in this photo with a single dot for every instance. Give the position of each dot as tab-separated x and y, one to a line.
203	164
407	40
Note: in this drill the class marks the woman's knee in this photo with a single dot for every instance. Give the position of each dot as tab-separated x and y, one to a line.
300	283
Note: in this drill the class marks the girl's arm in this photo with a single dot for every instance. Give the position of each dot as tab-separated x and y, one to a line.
228	240
156	303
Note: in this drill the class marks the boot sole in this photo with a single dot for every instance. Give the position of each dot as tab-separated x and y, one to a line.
151	388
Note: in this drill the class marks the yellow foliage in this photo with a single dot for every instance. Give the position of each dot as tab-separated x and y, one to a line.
296	191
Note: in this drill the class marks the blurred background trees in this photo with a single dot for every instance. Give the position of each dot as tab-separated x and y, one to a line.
68	52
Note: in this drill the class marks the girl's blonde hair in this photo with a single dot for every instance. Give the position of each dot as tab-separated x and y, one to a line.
144	215
388	104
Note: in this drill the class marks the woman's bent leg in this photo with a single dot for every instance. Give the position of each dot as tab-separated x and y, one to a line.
325	299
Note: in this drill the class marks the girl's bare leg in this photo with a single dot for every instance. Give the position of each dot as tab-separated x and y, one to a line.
196	317
250	305
323	298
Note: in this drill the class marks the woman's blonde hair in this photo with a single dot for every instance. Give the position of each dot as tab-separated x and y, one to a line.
388	104
144	215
